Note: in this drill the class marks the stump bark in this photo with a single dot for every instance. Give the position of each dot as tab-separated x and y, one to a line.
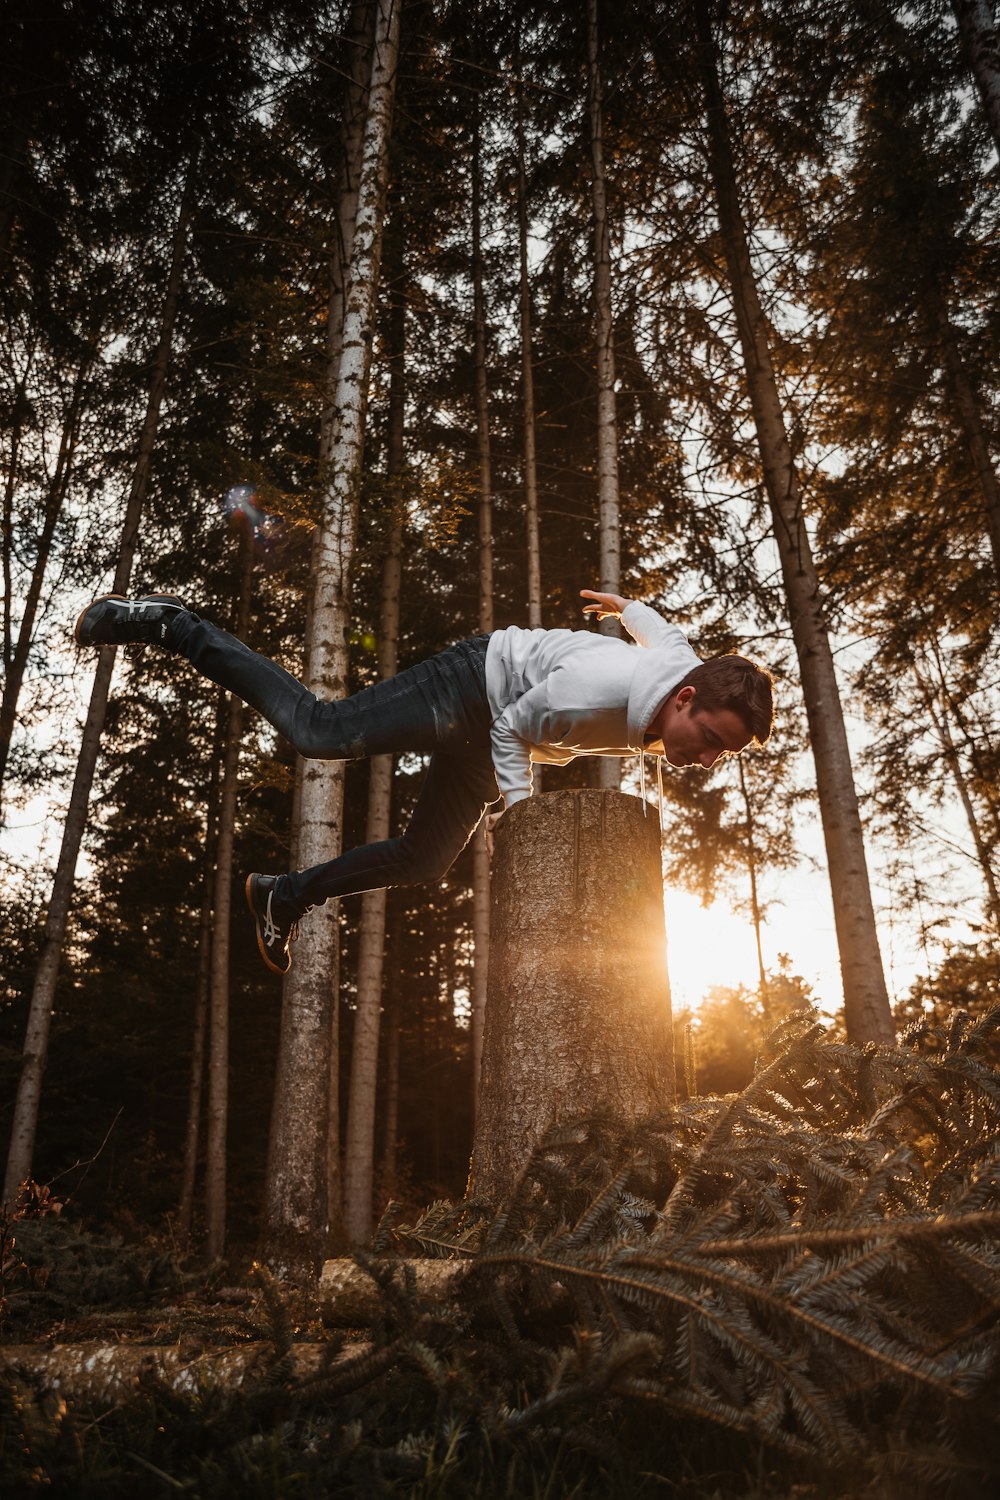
578	1005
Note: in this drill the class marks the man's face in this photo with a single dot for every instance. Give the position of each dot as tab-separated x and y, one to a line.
691	738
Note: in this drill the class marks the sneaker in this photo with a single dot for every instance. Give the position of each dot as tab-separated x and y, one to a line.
114	621
276	929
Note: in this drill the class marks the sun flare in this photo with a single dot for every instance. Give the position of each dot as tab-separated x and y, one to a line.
714	946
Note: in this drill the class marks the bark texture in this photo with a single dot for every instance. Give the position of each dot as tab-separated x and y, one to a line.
608	767
349	1298
192	1129
534	554
866	1000
578	1014
108	1374
480	858
359	1142
218	1021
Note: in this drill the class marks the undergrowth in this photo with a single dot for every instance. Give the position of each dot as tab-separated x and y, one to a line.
789	1291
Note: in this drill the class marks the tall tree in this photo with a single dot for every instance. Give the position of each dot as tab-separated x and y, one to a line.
196	1076
218	1027
359	1141
529	449
484	511
865	996
609	773
297	1206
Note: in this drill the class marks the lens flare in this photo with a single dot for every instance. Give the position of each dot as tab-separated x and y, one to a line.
240	506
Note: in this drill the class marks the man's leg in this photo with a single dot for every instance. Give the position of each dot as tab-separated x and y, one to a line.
452	800
440	703
438	707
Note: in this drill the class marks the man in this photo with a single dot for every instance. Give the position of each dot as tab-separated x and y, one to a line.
483	711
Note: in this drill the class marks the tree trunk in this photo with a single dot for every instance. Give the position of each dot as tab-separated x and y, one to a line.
360	47
752	866
978	31
25	1119
19	409
534	578
107	1376
970	417
13	158
54	501
578	1019
480	857
192	1129
938	714
956	711
390	1093
218	1016
299	1201
866	1000
609	769
359	1146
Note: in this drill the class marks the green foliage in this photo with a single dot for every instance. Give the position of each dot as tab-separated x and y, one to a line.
801	1278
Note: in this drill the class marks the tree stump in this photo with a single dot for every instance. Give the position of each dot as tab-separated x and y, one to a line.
578	1003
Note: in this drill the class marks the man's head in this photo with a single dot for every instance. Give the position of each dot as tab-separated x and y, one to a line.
720	707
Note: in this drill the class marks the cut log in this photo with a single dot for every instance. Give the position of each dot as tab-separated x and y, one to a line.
107	1374
578	1006
349	1298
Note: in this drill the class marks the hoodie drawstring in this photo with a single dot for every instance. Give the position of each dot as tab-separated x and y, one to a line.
659	785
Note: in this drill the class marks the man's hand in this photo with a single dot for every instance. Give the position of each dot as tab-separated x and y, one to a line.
607	606
489	823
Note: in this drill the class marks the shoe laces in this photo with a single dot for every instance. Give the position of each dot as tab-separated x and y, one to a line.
272	929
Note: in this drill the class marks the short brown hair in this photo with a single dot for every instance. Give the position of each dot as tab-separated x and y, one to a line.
735	683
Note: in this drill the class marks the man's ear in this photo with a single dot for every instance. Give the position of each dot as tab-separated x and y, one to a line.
685	697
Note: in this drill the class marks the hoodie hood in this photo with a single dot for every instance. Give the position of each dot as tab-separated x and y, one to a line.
657	672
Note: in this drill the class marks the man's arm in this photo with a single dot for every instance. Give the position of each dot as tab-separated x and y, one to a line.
643	624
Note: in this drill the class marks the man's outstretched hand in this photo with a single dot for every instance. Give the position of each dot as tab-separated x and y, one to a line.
605	607
489	823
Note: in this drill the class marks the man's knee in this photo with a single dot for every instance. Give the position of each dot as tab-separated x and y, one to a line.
417	865
317	733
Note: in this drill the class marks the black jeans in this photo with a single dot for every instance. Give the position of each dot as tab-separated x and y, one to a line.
437	708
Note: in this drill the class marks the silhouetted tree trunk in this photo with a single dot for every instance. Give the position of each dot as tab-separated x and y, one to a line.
301	1197
578	1020
196	1075
218	1016
390	1094
608	769
865	998
752	866
534	576
978	28
359	1145
25	1118
938	713
969	410
480	858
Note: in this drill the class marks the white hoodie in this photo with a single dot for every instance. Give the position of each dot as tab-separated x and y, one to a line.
556	694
